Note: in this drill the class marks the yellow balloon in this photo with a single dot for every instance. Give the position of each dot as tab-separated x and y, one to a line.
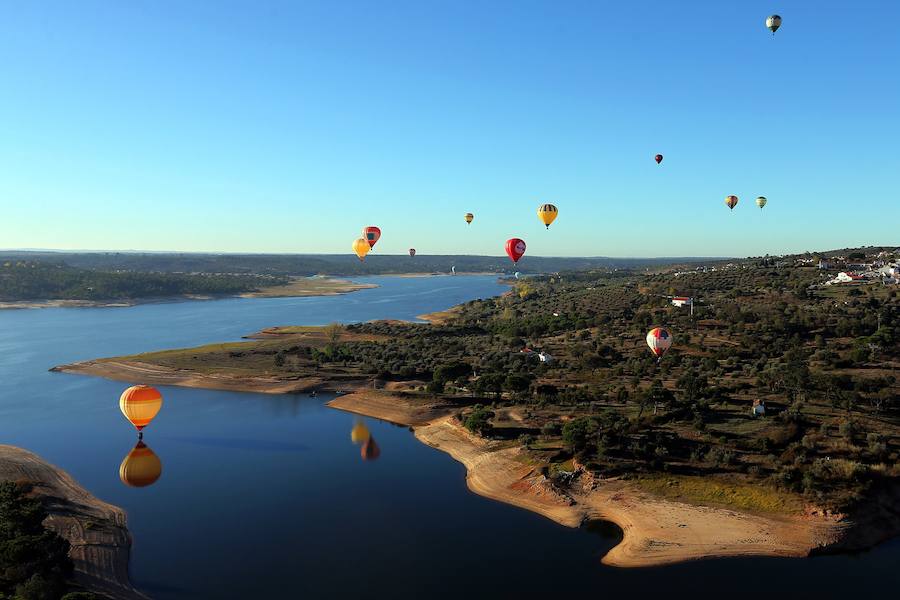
547	214
361	247
469	217
140	404
141	467
360	433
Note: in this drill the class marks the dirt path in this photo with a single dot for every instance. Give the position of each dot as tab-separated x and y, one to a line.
96	530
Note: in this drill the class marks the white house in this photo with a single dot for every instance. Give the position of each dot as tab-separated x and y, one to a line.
680	301
846	277
545	358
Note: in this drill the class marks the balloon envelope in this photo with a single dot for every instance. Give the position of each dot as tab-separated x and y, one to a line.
372	234
773	23
660	340
761	201
731	201
547	214
361	247
658	158
515	248
141	467
412	251
140	404
469	217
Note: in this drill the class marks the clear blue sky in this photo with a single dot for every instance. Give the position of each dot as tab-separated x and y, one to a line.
286	126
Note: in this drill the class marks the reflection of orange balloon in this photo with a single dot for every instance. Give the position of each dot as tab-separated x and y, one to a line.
370	450
360	433
139	404
141	467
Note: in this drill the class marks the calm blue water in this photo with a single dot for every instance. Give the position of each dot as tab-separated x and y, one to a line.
266	497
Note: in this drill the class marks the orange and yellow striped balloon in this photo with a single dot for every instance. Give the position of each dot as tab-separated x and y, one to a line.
140	404
141	467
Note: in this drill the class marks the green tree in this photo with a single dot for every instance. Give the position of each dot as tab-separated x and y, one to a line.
34	561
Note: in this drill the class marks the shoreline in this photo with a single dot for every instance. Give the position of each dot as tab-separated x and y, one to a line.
97	531
295	289
656	531
149	374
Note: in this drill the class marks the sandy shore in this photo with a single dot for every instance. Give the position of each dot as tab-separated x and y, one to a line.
138	372
310	286
655	531
100	542
440	317
391	407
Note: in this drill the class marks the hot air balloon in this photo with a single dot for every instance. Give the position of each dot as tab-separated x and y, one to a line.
517	274
141	467
360	433
660	340
140	404
371	233
361	247
761	201
773	23
412	251
515	248
370	450
731	201
547	214
658	158
469	218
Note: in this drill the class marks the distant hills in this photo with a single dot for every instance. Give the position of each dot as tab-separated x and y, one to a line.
331	264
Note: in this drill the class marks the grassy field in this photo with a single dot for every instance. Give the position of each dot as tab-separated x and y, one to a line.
711	491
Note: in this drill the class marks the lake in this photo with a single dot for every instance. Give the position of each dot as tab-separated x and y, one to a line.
266	496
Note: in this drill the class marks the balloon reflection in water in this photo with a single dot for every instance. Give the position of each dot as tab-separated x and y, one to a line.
360	435
141	467
370	450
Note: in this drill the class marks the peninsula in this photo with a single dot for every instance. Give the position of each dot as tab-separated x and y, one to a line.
99	542
770	429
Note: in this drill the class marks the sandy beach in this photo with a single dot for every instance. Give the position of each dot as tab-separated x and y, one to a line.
310	286
100	542
655	531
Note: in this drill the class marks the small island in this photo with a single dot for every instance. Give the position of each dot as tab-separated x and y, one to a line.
771	428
